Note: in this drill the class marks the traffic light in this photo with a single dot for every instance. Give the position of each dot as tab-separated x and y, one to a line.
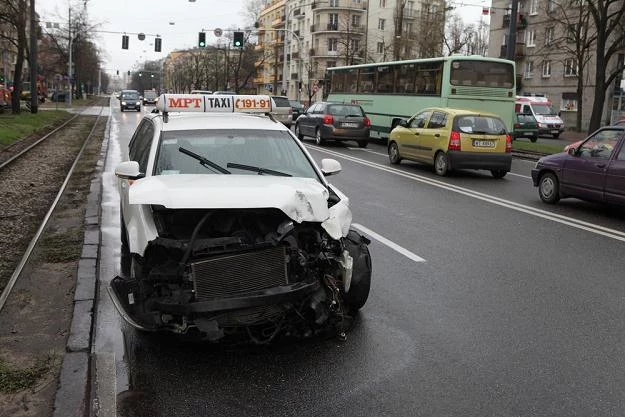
237	40
201	40
124	41
157	45
140	74
129	73
117	72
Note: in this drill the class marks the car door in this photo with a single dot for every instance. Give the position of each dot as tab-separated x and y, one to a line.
615	177
584	173
138	150
305	121
409	138
434	136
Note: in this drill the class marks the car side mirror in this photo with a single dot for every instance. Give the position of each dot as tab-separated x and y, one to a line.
330	167
403	123
128	170
572	151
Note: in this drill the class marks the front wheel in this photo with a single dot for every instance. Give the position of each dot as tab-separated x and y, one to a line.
298	133
318	139
360	285
498	173
441	164
556	135
393	153
533	139
549	188
362	143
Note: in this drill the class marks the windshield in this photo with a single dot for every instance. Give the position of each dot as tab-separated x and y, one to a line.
543	109
150	94
130	95
267	150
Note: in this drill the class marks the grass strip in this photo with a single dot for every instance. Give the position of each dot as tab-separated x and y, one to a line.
14	127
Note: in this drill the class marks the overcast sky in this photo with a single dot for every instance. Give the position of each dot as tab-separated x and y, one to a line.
154	17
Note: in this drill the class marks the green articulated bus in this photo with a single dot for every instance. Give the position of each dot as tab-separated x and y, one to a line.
390	91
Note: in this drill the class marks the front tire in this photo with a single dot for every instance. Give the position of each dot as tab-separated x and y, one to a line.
298	133
360	285
549	188
362	143
498	173
533	139
126	256
556	135
318	139
393	153
441	164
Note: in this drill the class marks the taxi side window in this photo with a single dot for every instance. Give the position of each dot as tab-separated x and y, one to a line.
438	120
621	154
141	144
311	109
420	119
527	109
319	109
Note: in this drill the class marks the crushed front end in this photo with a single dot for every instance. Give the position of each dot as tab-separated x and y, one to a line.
243	273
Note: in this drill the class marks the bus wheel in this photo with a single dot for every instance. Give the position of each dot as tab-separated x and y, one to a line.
441	164
318	139
393	153
556	135
498	173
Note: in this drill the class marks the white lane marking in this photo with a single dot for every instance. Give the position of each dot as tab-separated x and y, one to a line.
558	218
519	175
388	243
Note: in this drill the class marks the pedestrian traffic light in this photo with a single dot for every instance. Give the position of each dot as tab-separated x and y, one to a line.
129	73
201	41
157	45
237	40
124	41
117	72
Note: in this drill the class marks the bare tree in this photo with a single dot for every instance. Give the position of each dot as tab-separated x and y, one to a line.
608	17
478	44
14	16
457	35
431	28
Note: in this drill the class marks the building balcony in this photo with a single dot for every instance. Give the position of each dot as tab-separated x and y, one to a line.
334	27
278	22
294	76
341	5
519	51
410	14
298	14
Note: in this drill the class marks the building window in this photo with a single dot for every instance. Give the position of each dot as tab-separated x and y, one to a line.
569	102
333	21
334	3
550	36
330	64
529	68
333	44
356	20
534	7
551	5
570	67
546	69
382	3
530	37
380	47
572	32
381	24
354	45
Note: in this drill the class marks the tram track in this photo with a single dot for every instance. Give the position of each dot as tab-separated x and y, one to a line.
19	172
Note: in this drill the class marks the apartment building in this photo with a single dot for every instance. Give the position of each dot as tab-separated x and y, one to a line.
326	33
545	54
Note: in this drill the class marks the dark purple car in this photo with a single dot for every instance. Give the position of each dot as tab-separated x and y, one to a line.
594	170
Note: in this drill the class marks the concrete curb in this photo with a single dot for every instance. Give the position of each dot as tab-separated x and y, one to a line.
72	395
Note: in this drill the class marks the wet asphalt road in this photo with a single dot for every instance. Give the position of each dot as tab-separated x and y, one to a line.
517	310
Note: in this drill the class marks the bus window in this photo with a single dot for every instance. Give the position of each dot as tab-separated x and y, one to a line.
386	79
338	81
351	81
428	79
405	79
482	74
366	80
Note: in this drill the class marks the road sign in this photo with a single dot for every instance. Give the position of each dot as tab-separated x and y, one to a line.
268	87
141	36
218	32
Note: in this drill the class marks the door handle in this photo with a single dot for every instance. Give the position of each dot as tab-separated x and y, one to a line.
437	135
416	133
600	165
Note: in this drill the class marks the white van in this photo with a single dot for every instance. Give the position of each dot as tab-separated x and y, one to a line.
540	107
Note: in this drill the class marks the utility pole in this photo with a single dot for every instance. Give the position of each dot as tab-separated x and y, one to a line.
69	70
511	51
34	94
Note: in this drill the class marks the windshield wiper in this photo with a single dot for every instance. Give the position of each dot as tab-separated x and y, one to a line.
257	169
203	161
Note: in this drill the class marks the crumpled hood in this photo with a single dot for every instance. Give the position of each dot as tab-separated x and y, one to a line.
302	199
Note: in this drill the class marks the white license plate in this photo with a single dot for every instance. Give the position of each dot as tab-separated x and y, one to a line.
483	143
349	124
555	131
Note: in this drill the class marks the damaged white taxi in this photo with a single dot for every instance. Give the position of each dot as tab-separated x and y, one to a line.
230	230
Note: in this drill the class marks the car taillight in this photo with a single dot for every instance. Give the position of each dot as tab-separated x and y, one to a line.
328	119
517	125
367	122
290	110
454	142
508	144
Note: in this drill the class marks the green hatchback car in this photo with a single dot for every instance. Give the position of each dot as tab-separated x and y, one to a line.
525	126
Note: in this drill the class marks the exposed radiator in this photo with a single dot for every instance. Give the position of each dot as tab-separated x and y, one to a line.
239	273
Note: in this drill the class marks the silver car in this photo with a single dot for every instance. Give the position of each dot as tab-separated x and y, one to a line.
282	110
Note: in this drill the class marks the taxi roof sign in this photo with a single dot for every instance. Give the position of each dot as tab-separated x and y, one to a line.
201	103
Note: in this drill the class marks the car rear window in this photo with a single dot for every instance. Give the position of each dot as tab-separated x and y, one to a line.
344	110
480	124
525	118
281	101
